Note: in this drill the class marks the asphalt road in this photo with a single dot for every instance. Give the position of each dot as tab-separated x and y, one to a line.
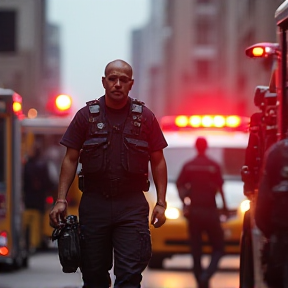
45	272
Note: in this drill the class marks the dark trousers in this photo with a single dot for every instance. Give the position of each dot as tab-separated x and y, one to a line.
205	220
114	226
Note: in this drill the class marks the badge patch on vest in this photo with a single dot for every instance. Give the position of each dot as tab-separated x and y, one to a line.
100	125
94	108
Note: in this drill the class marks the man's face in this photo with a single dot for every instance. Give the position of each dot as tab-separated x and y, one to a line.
117	83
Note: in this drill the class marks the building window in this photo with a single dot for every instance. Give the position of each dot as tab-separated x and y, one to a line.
7	30
205	30
203	70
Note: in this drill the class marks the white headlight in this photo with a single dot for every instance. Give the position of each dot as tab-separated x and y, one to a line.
172	213
245	206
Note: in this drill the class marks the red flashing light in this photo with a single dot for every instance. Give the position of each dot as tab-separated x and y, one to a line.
214	122
49	200
60	105
63	102
3	234
3	243
4	251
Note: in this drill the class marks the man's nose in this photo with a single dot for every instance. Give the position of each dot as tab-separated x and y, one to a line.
118	83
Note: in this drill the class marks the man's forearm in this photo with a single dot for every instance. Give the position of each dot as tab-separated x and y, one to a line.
67	175
160	179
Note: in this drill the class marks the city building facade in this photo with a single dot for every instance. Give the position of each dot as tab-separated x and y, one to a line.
194	61
27	58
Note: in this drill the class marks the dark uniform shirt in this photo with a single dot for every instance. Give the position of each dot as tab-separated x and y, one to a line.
202	178
77	133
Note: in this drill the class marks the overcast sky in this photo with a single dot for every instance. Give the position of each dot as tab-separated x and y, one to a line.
93	32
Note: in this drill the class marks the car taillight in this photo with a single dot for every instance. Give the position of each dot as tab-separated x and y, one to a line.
3	243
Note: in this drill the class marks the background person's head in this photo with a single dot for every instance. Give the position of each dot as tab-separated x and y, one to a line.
201	145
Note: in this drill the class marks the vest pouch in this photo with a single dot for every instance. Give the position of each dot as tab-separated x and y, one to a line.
93	155
137	156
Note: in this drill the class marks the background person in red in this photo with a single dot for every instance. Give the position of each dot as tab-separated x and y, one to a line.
199	180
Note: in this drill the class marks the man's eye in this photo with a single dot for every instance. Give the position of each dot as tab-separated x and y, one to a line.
112	79
121	79
124	79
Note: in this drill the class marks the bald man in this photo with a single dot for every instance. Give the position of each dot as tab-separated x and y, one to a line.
117	136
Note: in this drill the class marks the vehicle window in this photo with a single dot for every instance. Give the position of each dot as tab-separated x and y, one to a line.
230	160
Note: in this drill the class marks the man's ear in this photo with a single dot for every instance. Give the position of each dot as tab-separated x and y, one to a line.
131	84
104	82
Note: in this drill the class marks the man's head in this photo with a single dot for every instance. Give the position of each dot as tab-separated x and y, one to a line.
201	145
117	83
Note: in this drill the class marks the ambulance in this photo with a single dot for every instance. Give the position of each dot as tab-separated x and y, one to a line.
227	137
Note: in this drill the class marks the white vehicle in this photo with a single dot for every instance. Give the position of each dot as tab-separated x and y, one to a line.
227	138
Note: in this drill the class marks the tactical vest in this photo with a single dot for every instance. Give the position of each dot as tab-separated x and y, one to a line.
134	146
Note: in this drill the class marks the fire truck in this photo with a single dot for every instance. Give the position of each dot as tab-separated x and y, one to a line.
268	126
24	229
14	247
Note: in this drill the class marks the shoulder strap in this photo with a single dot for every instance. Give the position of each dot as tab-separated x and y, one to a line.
94	110
135	115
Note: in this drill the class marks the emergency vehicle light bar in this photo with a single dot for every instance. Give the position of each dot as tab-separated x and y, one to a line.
204	121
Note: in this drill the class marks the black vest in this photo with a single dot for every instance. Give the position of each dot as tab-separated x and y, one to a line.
134	146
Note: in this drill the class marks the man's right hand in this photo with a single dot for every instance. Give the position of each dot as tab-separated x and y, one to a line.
58	214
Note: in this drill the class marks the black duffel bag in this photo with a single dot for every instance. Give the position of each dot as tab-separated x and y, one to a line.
68	239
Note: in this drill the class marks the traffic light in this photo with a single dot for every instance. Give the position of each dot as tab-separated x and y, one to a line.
60	105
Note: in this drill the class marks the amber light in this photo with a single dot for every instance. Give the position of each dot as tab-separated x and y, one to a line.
17	104
181	121
195	121
233	121
17	107
258	51
32	113
207	121
219	121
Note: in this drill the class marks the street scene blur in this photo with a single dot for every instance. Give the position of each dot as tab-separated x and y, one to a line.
208	69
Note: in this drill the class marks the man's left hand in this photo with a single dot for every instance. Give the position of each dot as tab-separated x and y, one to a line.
158	217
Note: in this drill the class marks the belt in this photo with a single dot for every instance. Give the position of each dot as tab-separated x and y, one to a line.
111	187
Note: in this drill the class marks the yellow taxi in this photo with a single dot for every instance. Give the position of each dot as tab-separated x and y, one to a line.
227	139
